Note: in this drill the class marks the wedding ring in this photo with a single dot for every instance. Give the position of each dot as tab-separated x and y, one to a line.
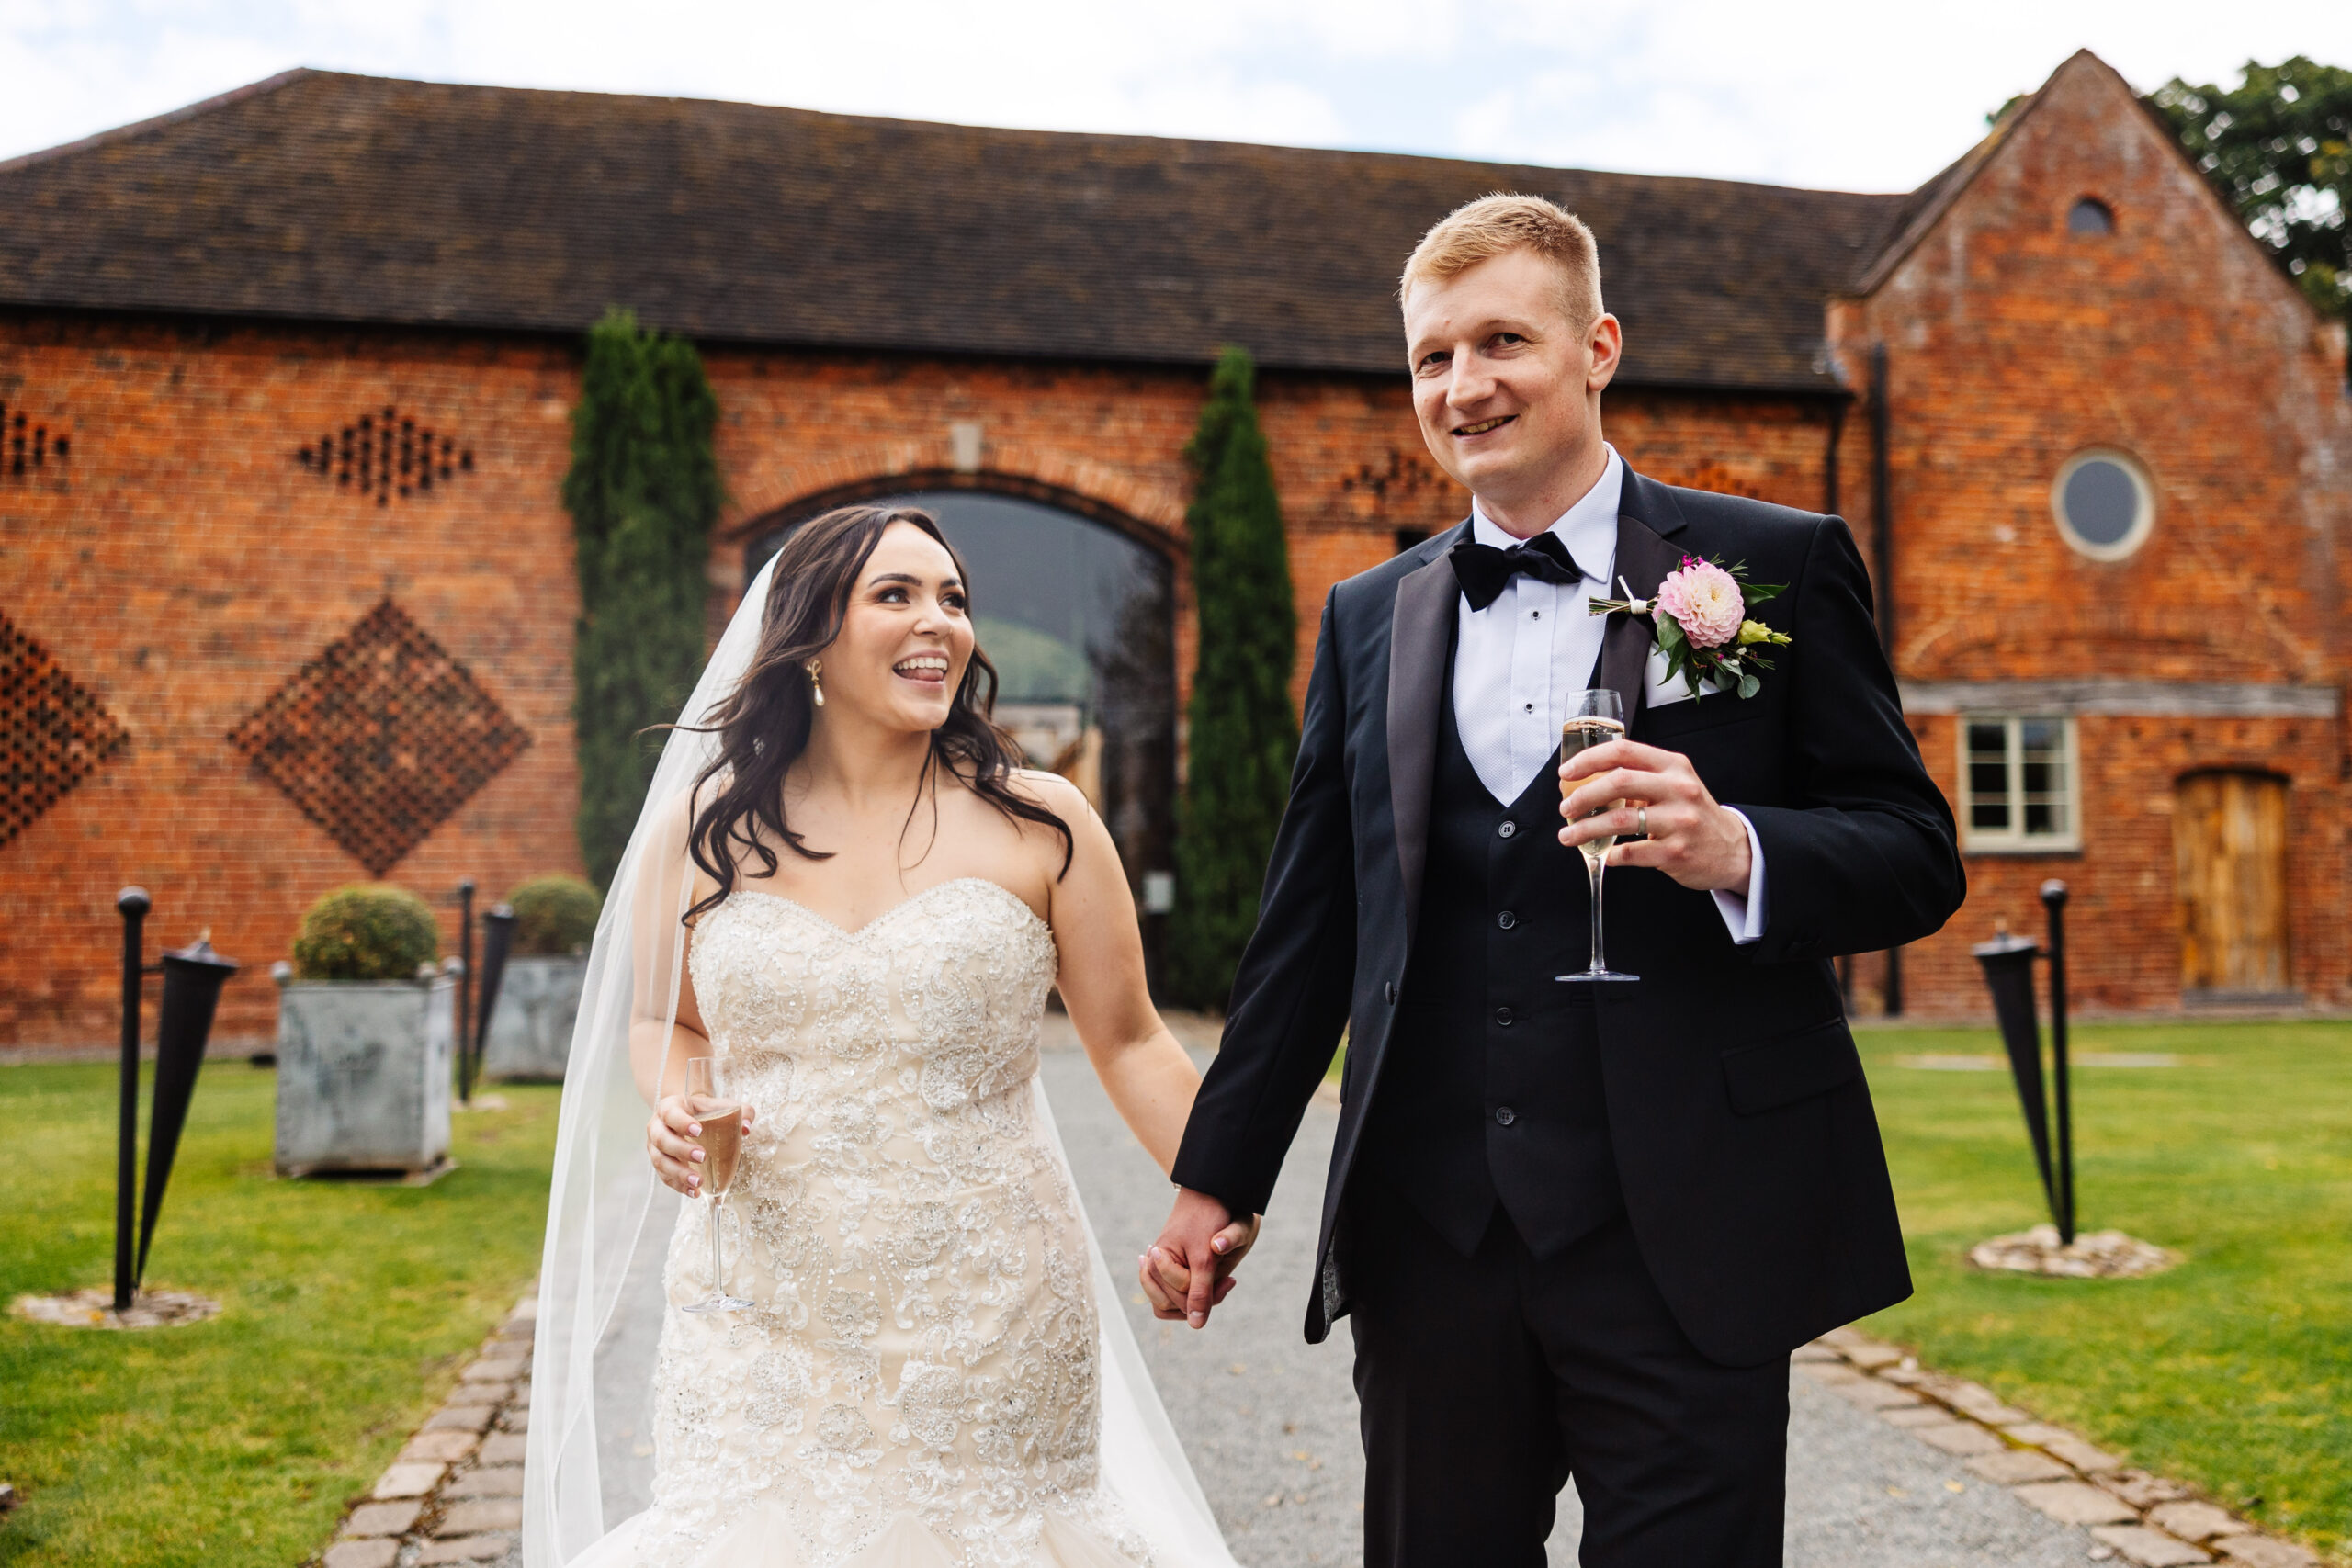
1641	821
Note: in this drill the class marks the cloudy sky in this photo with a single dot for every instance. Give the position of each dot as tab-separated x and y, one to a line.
1833	92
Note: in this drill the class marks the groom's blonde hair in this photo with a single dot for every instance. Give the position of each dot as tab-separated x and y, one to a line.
1492	225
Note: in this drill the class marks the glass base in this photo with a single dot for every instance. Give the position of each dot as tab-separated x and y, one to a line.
721	1303
1597	974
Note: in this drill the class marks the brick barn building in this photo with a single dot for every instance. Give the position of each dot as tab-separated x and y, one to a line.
287	595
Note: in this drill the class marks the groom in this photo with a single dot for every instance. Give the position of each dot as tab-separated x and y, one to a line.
1577	1226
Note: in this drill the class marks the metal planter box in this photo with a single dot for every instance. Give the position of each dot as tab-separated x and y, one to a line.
363	1074
530	1030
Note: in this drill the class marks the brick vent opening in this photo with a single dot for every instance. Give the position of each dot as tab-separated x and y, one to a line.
379	738
53	731
387	454
26	448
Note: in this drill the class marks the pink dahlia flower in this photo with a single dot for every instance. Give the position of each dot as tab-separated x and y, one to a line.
1706	600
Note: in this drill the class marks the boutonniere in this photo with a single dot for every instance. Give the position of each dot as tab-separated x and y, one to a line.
1701	613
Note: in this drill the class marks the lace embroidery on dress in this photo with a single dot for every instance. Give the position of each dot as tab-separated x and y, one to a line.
926	1343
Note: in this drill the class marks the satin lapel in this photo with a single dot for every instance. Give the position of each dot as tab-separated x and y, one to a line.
1644	559
1422	620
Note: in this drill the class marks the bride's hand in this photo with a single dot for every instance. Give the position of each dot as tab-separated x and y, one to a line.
1190	1269
668	1134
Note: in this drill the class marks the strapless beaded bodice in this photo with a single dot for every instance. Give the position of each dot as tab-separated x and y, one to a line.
947	987
923	1351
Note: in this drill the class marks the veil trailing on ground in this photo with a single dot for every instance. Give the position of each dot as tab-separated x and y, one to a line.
589	1453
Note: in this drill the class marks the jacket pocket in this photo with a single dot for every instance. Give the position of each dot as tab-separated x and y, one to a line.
1794	1066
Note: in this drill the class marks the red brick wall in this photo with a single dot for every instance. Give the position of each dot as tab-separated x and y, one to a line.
183	565
2012	344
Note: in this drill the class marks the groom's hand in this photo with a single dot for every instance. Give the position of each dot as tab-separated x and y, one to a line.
1188	1271
1691	838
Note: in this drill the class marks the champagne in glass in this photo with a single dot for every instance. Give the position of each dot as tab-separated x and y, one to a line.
1581	733
713	1101
1595	718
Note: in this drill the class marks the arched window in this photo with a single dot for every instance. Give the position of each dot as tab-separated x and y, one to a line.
2090	216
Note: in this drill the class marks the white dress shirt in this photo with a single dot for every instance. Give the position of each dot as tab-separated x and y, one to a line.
1534	647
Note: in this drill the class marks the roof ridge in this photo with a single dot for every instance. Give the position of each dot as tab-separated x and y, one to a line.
284	78
186	111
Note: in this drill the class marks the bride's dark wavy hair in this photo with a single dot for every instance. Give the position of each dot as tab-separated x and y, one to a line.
763	725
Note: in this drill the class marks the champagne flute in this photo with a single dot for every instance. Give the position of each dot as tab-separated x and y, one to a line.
713	1100
1595	718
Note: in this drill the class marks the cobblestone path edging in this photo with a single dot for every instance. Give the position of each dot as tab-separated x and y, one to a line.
455	1493
2135	1517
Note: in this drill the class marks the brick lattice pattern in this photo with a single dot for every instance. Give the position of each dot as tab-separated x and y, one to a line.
381	738
386	454
53	730
27	449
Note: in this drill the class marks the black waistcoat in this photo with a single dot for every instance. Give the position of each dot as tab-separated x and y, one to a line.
1491	1087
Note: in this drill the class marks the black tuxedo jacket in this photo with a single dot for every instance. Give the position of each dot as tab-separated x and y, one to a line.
1748	1154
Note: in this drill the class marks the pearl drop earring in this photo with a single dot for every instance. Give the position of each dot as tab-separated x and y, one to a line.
815	682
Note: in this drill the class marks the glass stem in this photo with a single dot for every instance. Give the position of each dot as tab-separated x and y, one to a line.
1596	864
718	1287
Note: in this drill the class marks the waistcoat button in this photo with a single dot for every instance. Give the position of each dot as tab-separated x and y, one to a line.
1506	919
1506	829
1503	1016
1506	1116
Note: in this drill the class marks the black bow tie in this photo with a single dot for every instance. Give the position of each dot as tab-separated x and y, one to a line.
1485	571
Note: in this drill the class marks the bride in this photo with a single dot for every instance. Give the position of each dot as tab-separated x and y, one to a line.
843	889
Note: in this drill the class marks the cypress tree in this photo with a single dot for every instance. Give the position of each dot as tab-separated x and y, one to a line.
1243	734
643	492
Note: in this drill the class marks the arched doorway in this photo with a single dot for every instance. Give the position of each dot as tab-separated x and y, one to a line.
1079	620
2230	855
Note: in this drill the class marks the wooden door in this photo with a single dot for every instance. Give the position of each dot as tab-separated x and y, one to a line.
2230	855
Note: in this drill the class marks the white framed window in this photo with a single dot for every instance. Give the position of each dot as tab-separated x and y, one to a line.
2019	789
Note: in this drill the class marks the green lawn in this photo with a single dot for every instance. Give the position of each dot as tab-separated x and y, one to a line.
2233	1371
348	1310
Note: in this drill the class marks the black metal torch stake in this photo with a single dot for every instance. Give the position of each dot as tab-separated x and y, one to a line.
466	1041
132	903
2054	901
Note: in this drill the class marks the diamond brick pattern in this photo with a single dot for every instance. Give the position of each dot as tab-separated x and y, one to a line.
53	731
381	738
386	454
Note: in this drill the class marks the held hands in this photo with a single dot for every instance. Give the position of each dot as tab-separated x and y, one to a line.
1691	838
1189	1269
678	1161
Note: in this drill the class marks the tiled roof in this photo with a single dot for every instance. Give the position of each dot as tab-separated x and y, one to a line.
319	196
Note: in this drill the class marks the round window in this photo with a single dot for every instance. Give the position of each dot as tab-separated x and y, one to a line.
2104	502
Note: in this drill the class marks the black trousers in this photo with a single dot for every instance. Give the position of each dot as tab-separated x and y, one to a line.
1485	1382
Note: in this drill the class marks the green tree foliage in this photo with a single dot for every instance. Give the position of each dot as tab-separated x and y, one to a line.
1243	734
370	931
554	916
643	491
2278	148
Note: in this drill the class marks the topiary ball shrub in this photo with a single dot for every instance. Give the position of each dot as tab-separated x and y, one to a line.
554	916
368	932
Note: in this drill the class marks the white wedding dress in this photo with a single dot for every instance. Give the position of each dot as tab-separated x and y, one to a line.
920	1383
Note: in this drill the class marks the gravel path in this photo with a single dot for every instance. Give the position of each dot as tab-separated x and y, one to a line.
1270	1421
